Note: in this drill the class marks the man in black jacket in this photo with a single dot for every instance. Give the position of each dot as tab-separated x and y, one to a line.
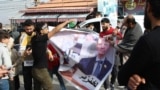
142	70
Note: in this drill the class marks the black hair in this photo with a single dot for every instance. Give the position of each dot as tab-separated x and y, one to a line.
28	22
105	20
40	26
155	4
4	35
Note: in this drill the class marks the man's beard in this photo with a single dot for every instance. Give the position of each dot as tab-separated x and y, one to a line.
30	33
105	28
147	21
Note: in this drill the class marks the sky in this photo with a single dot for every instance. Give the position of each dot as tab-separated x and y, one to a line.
11	8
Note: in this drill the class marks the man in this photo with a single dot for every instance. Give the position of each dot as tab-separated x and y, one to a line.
131	36
89	65
108	30
39	48
141	71
25	52
91	27
113	36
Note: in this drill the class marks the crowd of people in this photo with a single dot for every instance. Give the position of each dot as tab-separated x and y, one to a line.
138	72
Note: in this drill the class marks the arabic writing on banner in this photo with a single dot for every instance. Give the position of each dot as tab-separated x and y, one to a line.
77	48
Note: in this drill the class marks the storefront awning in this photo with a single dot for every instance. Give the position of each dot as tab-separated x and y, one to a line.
50	18
58	10
37	18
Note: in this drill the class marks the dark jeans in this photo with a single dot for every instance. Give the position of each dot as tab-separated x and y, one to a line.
15	84
113	77
42	79
27	77
60	79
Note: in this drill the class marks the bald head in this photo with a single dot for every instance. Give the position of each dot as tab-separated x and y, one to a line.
129	20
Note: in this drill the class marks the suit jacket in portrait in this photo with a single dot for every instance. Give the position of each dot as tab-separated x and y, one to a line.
86	65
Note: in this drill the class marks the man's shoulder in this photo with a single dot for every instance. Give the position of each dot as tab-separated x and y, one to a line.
138	27
112	28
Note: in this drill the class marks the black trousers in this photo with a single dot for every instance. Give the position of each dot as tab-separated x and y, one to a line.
27	77
15	84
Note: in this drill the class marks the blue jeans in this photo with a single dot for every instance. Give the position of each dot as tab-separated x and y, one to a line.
60	79
4	84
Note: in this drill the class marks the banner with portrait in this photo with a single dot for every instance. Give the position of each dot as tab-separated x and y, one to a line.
77	49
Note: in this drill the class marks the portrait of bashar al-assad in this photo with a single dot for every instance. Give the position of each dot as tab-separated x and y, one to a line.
97	65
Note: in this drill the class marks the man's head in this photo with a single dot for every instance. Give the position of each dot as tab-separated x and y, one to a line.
90	26
105	24
102	47
129	21
4	36
42	28
29	26
152	13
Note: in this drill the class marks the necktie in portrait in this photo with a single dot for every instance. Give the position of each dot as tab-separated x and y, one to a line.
98	68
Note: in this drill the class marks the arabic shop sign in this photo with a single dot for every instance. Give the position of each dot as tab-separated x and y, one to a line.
130	5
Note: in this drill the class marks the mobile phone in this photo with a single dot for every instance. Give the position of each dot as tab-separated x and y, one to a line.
28	47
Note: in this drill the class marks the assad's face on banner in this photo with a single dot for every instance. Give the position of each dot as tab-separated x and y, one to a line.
102	46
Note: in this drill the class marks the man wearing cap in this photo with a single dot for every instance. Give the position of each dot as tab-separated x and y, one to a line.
107	29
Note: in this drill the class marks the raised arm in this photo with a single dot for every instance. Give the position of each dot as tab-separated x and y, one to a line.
59	27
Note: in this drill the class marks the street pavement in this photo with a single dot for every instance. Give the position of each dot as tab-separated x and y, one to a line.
68	85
